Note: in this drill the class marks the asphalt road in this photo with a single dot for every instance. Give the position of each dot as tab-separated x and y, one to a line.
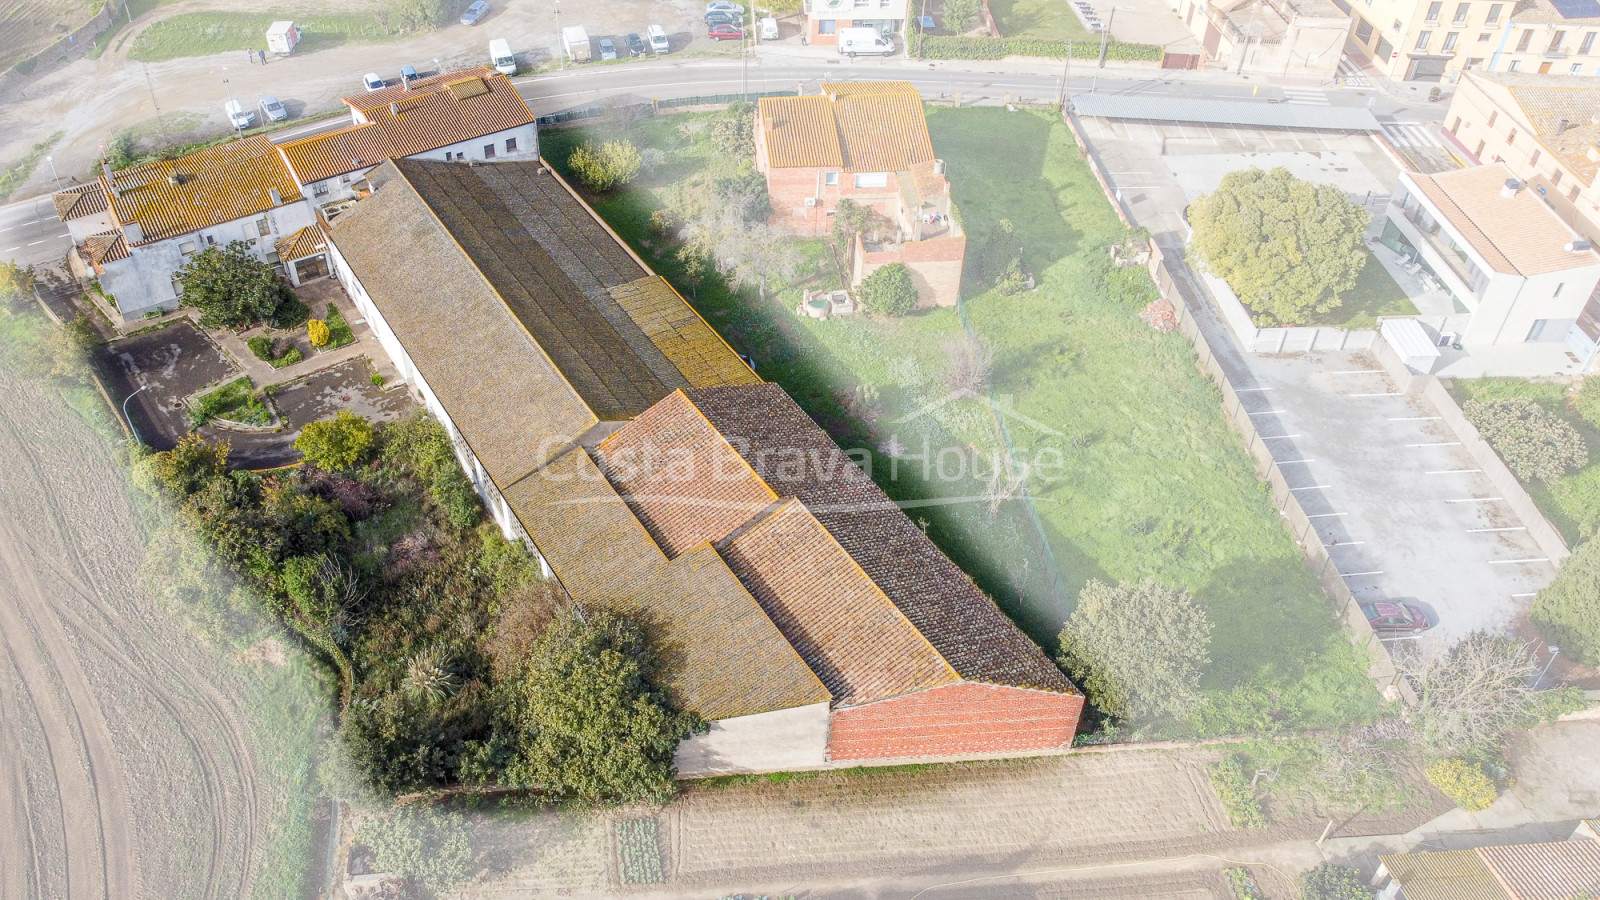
30	233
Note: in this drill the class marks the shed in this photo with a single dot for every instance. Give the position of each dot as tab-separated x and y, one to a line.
1410	341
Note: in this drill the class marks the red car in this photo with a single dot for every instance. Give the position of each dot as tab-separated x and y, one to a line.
1391	619
725	33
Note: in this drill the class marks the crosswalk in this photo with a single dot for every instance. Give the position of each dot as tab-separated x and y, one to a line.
1305	96
1411	134
1352	74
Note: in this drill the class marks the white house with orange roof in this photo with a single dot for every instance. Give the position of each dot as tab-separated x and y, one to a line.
1522	273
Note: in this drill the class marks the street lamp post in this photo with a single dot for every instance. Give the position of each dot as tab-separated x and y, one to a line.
126	418
561	40
232	119
53	174
1105	35
1554	652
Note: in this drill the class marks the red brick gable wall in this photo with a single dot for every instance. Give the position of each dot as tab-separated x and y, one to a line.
935	266
960	719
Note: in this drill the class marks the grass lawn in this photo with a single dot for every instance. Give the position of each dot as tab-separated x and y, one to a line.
339	334
205	33
1148	481
235	401
1041	20
1571	502
1375	294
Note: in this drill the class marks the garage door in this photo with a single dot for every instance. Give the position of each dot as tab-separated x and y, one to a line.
1427	69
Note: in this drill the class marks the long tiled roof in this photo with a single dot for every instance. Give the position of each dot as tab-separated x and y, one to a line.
1553	871
436	112
1444	875
866	126
201	189
1515	235
80	201
1546	101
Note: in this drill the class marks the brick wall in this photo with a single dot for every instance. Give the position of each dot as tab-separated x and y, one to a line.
957	719
789	189
935	267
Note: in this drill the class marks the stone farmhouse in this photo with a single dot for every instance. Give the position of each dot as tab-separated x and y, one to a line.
867	142
135	228
610	428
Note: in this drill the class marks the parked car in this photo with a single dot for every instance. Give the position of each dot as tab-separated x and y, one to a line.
722	5
238	116
724	18
373	82
658	39
608	50
408	74
635	45
725	33
475	12
272	109
1394	619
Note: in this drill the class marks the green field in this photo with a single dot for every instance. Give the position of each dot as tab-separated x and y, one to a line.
206	33
1375	294
1151	482
1040	20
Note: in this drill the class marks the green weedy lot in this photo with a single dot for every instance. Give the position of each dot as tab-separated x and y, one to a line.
1151	482
206	33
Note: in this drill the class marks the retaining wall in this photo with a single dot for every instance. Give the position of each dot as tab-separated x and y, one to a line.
69	47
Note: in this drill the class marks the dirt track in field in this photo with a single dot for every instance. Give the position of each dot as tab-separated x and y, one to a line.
125	767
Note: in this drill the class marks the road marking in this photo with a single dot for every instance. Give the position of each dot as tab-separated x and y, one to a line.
1358	372
1415	418
1518	562
1492	530
1532	594
1453	472
1327	515
1383	394
9	249
1475	500
1337	544
1314	487
1291	462
1360	574
1437	444
1249	390
1266	412
1279	437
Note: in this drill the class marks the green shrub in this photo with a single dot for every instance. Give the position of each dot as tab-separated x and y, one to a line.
1228	779
1464	783
1534	442
339	333
889	291
336	444
317	331
261	347
607	166
1568	611
376	379
1333	882
944	46
1577	500
1587	400
430	848
234	401
288	359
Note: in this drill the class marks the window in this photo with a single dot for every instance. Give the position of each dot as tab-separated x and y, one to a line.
1492	117
825	26
872	179
263	227
1555	41
1534	159
511	145
830	179
1433	11
211	240
1514	65
1494	14
1558	289
1450	40
1555	178
1461	13
187	248
1479	152
1363	31
320	189
1455	127
488	151
1577	69
1587	44
1474	62
1395	26
1422	40
345	178
1527	38
1573	194
1511	136
1484	37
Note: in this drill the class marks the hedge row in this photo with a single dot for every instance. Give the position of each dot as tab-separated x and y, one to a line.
941	46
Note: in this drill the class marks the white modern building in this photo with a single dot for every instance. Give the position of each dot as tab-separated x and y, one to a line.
825	18
1518	272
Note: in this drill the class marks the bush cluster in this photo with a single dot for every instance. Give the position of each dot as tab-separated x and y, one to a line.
1464	783
944	46
1233	789
317	332
889	291
1568	611
1330	881
607	166
1534	442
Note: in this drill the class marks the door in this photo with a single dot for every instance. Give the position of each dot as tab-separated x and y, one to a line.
1544	68
1213	40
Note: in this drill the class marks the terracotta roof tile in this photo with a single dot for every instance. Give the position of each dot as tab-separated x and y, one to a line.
1546	100
800	132
105	247
693	347
1516	235
83	200
435	112
308	241
198	190
1444	875
868	126
1553	871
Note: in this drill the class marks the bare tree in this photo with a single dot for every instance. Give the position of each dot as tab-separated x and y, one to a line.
750	255
1472	692
970	364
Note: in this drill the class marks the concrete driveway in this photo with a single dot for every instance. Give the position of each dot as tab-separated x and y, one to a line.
170	363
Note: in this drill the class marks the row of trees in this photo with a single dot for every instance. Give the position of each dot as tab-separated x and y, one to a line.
456	663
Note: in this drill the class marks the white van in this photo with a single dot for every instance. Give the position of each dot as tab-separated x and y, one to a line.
856	41
501	58
238	116
658	39
769	29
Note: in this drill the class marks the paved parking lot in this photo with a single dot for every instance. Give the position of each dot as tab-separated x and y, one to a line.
1385	478
170	363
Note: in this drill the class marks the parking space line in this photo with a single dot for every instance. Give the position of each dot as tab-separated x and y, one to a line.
1360	574
35	242
1475	500
1518	562
1327	515
1436	444
1493	530
1358	372
1452	472
1294	462
1415	418
1249	390
1279	437
1384	394
1314	487
1265	412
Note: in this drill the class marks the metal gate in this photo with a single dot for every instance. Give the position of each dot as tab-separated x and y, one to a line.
1180	60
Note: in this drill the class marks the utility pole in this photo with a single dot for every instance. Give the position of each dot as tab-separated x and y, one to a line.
744	64
161	124
561	39
53	174
237	131
1066	79
1105	33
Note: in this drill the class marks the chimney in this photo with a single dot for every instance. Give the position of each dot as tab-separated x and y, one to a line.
277	198
1578	246
938	167
111	180
394	109
1510	189
174	178
1562	126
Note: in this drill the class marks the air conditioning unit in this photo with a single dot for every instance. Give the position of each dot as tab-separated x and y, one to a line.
810	202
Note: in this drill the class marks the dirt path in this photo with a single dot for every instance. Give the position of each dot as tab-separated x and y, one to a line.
128	770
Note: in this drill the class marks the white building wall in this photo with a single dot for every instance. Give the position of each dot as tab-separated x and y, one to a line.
526	137
780	741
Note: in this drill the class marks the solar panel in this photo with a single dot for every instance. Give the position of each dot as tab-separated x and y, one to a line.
1577	9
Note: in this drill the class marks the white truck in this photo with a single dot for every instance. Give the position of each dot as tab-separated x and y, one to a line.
501	57
282	37
576	41
855	41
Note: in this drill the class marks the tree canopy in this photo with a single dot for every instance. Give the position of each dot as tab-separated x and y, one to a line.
1137	648
335	444
889	291
606	166
1287	247
230	286
1568	611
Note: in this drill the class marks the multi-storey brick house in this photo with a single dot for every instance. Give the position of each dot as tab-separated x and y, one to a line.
866	142
824	18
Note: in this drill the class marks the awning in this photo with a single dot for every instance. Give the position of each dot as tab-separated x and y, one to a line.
1251	113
